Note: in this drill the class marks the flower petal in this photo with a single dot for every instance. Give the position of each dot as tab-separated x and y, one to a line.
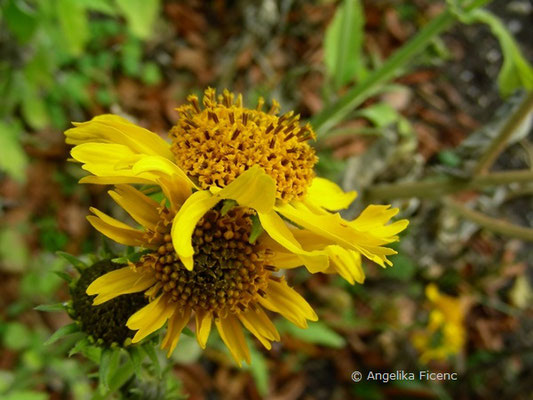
253	188
231	333
160	167
151	317
329	195
141	208
203	327
284	300
346	262
277	229
257	322
110	128
185	221
176	323
118	282
176	190
116	230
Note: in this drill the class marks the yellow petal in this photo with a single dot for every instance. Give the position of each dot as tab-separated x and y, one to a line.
160	167
109	128
277	229
185	221
203	327
176	190
151	317
328	195
141	208
123	235
253	188
257	322
176	323
286	301
347	263
333	228
115	180
231	333
119	282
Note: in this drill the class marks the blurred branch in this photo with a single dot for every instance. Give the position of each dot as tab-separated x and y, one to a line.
492	224
498	144
437	188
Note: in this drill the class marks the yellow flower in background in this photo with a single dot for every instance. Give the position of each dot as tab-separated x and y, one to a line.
444	335
268	159
232	282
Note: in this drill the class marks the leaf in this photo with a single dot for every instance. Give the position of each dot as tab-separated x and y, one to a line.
380	114
257	229
227	205
17	336
61	332
109	360
25	395
20	19
63	275
140	15
343	44
33	107
73	23
101	6
516	72
13	159
75	261
80	345
317	333
152	354
137	356
51	307
13	250
259	371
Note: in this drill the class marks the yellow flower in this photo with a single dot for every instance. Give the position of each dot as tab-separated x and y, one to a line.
234	278
445	333
221	143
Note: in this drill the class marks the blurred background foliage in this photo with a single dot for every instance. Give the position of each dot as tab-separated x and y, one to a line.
388	109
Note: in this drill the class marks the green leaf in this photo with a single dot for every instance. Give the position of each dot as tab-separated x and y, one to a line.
259	371
17	336
13	251
449	158
63	331
403	268
317	333
516	72
380	114
137	356
51	307
101	6
33	107
73	23
20	19
80	345
152	354
257	229
140	15
227	205
343	44
151	74
63	275
25	395
105	363
75	261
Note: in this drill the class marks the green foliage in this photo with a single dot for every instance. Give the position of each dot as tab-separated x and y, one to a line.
13	160
140	14
317	333
343	44
516	72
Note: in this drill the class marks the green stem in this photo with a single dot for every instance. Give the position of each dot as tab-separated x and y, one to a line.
492	224
332	115
434	189
499	142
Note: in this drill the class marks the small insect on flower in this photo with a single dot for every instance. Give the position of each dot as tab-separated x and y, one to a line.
262	160
233	280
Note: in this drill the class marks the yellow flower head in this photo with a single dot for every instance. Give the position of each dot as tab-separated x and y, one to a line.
444	334
216	143
234	279
260	160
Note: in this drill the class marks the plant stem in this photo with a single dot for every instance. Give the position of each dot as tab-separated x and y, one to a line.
332	115
499	142
492	224
439	187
